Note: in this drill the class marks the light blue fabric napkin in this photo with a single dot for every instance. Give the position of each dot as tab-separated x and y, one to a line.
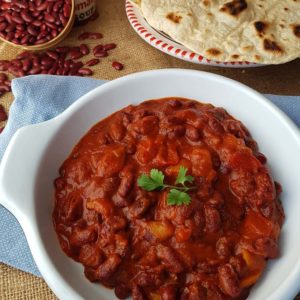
42	97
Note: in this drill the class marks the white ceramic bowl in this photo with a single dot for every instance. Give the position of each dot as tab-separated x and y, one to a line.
35	153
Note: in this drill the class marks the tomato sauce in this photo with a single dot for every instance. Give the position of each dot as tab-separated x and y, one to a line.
132	240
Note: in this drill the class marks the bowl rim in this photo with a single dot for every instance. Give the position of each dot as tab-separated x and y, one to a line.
290	285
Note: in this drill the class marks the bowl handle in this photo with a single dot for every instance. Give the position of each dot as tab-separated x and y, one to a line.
19	167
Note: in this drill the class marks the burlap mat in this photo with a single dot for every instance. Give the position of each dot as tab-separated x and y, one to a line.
136	55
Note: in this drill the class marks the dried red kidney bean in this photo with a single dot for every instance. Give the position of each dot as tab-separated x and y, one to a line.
97	48
3	77
85	71
52	54
109	46
4	64
31	19
84	49
100	53
63	49
51	61
83	36
3	114
117	65
90	35
4	88
75	54
92	62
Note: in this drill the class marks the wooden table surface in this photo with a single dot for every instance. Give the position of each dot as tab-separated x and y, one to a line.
136	55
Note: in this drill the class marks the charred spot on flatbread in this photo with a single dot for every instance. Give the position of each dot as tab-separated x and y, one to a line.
296	30
235	56
257	57
272	46
234	7
174	17
213	52
206	2
260	27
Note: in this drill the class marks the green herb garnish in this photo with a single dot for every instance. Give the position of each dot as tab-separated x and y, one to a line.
178	193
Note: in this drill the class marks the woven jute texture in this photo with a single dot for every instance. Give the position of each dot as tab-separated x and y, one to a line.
136	56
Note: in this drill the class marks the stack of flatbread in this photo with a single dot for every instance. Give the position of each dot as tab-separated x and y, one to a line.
261	31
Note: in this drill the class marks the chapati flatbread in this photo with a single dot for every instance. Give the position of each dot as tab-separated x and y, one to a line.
261	31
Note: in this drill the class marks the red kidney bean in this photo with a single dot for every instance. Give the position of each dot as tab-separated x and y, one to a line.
1	129
16	71
59	71
62	19
78	64
49	18
34	70
73	70
25	40
26	16
84	49
117	65
41	41
75	53
98	48
11	27
67	10
37	23
100	53
27	64
17	20
5	5
3	114
85	72
57	6
92	62
19	34
3	26
83	36
52	54
42	7
10	36
20	4
36	14
3	77
95	35
109	46
42	34
17	63
50	7
90	35
16	41
4	88
4	64
7	16
23	55
63	49
31	30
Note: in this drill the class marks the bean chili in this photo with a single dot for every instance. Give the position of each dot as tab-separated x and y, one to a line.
132	240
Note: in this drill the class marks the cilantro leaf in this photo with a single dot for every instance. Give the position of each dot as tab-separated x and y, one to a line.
157	176
178	194
176	197
182	178
152	182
